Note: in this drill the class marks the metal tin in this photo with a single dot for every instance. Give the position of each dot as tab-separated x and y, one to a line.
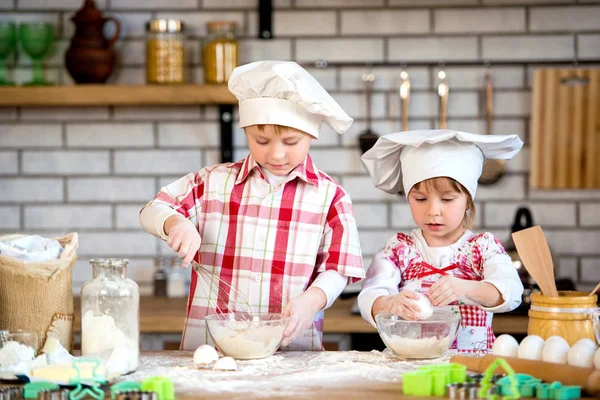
11	393
54	394
136	395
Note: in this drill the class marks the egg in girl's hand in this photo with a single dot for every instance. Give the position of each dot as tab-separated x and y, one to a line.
205	355
556	350
506	345
424	305
582	353
531	348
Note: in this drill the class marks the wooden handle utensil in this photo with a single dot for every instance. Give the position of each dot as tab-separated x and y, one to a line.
587	378
533	249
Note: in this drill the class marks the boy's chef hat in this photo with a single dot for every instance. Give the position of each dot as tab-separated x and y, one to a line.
403	159
283	93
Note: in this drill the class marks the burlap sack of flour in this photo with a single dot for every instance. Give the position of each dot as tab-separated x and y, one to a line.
38	296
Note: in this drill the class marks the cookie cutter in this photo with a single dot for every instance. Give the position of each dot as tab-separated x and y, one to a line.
161	385
53	394
136	395
432	380
11	393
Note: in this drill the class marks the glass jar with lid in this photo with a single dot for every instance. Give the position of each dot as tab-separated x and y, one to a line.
110	315
220	53
165	53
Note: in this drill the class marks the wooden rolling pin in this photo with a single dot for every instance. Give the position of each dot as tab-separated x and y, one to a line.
587	378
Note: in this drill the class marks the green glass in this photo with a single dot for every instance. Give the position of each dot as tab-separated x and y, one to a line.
8	44
36	40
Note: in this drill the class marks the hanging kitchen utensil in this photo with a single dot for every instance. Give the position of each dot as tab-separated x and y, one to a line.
404	98
493	170
564	129
368	138
443	90
535	253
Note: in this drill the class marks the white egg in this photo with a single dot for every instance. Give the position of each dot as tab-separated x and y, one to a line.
582	353
226	364
205	355
506	345
425	306
597	359
556	350
531	348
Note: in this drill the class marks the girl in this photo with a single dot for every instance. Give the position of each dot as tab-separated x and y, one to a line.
454	267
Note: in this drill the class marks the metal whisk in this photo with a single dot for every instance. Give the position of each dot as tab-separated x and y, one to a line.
237	301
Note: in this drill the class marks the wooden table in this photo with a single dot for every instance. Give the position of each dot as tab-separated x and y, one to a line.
164	315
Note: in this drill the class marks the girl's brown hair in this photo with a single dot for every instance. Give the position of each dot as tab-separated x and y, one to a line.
444	184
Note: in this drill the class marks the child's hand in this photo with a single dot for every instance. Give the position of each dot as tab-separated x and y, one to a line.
403	304
302	311
183	238
449	289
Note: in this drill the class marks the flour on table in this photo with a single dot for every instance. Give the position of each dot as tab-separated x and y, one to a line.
285	373
15	358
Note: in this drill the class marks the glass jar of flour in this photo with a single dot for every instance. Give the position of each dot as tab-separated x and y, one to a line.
110	315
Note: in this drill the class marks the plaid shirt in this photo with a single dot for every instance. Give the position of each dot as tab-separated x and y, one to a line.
267	243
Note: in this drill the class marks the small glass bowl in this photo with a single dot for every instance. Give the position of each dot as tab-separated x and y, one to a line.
420	339
246	336
17	350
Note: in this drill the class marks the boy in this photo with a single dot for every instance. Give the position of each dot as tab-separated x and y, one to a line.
272	226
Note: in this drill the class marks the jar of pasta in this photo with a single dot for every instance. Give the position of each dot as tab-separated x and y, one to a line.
165	55
220	53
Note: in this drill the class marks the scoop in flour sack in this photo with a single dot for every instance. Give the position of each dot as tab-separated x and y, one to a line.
425	306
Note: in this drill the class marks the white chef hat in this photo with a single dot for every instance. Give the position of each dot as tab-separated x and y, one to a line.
401	160
283	93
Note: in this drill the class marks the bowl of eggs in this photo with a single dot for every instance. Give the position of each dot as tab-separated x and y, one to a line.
418	339
246	336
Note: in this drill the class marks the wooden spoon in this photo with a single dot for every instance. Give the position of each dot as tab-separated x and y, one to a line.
593	292
533	249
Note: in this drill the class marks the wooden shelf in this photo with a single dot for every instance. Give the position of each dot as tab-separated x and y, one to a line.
116	95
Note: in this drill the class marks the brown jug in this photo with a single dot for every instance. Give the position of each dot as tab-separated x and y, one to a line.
90	58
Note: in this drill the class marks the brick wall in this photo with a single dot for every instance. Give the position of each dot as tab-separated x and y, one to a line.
91	169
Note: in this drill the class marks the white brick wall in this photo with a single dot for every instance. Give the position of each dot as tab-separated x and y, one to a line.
91	169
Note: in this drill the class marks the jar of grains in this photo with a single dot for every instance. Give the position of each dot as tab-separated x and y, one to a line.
165	54
220	53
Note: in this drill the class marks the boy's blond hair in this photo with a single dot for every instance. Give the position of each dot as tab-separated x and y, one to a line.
276	128
443	184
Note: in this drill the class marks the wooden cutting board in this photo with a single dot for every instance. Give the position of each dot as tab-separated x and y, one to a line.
565	129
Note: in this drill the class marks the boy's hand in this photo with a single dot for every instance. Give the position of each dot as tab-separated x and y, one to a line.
401	304
183	238
449	289
302	311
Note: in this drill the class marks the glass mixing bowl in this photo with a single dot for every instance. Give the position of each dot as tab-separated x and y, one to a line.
424	339
246	336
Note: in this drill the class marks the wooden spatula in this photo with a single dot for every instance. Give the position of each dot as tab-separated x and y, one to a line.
533	249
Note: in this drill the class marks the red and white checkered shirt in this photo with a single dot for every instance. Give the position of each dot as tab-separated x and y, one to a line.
268	243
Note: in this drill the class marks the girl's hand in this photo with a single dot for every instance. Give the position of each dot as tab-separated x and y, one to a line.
183	238
449	289
402	304
301	312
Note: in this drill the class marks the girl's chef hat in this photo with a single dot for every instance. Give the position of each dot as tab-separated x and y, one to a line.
283	93
403	159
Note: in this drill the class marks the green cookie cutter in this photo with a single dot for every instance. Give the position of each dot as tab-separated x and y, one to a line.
556	391
161	385
92	389
512	389
431	380
32	389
